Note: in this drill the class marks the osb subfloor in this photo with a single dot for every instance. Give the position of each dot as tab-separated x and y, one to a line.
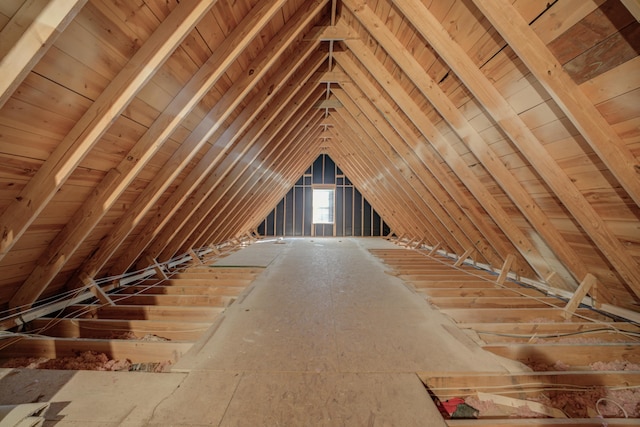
324	337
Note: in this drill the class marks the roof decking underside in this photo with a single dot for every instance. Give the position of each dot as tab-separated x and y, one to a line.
476	150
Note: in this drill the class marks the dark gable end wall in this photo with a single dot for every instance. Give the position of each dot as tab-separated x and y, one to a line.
354	216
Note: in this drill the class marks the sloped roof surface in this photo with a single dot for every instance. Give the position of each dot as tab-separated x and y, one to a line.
133	131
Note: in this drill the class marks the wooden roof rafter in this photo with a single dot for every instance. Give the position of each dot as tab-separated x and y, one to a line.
431	29
361	144
227	140
268	127
434	136
413	173
431	90
86	132
270	162
26	38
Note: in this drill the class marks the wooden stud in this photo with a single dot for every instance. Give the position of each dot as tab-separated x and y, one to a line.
160	272
435	248
506	267
195	259
589	283
463	257
96	290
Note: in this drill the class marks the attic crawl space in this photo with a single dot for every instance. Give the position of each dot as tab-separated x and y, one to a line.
485	152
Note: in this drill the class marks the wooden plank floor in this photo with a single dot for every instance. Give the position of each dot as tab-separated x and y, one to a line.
322	337
523	324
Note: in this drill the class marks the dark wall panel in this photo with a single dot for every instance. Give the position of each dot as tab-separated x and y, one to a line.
293	215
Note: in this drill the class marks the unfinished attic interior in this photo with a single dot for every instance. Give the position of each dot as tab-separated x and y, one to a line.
320	212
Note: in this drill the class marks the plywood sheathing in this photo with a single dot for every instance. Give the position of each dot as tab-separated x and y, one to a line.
135	132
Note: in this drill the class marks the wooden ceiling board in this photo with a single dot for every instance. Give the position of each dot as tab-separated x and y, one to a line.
423	193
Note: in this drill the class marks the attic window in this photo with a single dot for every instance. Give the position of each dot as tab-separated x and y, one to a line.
323	201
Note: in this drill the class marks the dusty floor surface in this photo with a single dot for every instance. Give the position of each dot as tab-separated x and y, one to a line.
323	337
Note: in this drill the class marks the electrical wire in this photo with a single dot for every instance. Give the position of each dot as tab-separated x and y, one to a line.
502	286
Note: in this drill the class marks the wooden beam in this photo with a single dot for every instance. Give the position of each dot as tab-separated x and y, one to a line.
600	135
634	7
234	210
588	284
382	143
141	312
331	33
108	191
220	61
27	37
495	302
174	300
173	289
135	350
462	258
443	147
513	126
435	248
246	139
410	170
270	55
328	103
285	170
249	139
515	315
96	290
472	139
357	137
480	292
160	272
104	328
194	257
242	179
348	159
88	130
571	354
506	267
216	214
223	216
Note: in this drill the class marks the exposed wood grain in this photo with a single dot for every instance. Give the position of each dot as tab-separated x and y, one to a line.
523	138
28	35
75	146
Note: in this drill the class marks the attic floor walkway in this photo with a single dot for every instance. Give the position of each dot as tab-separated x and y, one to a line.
322	337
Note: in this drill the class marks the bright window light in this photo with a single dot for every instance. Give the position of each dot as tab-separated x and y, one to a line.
323	205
